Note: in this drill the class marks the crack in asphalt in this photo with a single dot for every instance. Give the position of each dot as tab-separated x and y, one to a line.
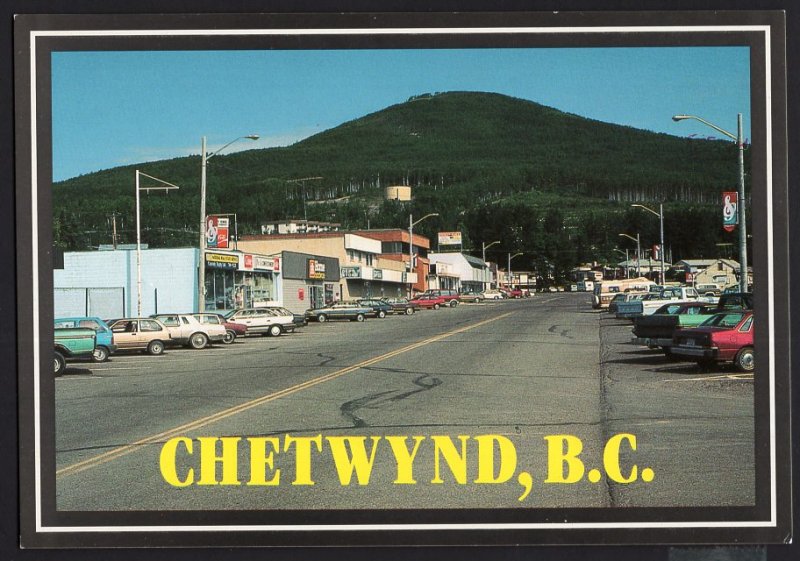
374	401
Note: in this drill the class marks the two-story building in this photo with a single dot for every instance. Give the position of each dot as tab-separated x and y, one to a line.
473	272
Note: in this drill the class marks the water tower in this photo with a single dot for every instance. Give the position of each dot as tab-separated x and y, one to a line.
398	193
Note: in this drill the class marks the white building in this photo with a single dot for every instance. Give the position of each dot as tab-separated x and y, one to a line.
473	272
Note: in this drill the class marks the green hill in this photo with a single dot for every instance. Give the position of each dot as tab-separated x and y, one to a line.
479	159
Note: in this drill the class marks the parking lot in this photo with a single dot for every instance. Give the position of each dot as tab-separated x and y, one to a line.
524	369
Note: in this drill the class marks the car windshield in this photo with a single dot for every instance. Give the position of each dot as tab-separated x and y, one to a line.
724	320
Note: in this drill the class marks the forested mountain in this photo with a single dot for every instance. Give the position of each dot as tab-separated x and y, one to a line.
553	185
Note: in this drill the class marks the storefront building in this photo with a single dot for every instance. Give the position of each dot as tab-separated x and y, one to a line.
473	273
395	246
309	281
236	279
361	271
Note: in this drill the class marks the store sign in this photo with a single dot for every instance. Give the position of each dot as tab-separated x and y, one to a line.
377	274
222	261
316	269
449	238
263	263
730	210
350	272
217	230
247	262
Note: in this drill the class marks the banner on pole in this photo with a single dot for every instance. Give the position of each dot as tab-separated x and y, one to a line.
730	210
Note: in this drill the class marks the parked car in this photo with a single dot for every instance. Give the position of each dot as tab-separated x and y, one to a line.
232	329
146	334
493	294
339	310
187	330
657	329
429	301
299	320
451	297
725	337
379	308
72	343
470	297
401	306
105	338
264	321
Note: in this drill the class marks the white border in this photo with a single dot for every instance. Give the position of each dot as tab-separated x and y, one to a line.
405	31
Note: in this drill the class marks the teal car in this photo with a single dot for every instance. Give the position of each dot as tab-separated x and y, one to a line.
105	338
72	343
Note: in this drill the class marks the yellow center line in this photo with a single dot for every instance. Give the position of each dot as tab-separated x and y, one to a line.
225	413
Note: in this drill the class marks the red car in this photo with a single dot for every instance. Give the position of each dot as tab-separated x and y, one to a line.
232	330
428	301
724	337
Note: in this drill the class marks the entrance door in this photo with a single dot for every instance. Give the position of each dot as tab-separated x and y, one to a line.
316	297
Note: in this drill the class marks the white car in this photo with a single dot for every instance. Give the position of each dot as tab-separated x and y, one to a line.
186	330
263	321
493	295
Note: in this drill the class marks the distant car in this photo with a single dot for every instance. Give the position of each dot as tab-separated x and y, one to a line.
493	294
340	310
470	297
232	329
724	337
379	308
429	301
187	330
147	334
573	288
264	321
401	306
105	338
451	297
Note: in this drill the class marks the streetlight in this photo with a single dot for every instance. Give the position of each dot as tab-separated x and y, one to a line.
165	187
485	247
738	138
201	297
411	225
510	276
638	253
660	215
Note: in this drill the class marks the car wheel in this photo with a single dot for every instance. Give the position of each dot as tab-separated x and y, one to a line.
59	364
453	303
381	314
198	340
436	306
275	330
705	364
230	337
155	348
360	317
322	318
409	311
745	360
100	354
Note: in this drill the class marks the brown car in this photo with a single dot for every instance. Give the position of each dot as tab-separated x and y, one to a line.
146	334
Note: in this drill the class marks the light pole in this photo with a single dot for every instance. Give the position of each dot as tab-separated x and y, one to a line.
204	157
660	215
638	253
483	254
164	187
510	276
738	138
411	225
627	269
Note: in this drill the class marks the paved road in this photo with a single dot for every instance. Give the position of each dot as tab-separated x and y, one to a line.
520	370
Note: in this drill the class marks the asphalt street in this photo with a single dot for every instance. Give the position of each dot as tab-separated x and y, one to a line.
540	375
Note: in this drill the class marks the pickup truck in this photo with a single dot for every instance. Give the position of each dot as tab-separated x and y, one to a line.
104	346
657	329
638	308
72	343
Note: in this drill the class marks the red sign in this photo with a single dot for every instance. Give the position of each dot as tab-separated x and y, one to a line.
730	210
217	232
277	264
301	294
248	261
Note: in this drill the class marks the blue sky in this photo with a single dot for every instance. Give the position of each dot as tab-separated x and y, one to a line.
119	108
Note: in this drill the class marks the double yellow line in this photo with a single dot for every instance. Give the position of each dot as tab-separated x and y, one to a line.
225	413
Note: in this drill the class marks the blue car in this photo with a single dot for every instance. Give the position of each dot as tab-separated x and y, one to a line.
105	338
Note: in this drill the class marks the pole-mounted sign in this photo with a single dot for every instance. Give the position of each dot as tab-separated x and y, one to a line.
730	210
